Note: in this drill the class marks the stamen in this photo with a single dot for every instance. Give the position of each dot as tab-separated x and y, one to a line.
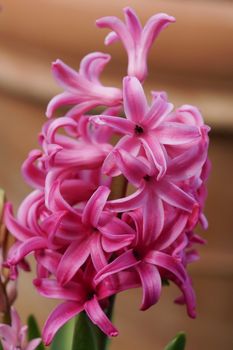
138	130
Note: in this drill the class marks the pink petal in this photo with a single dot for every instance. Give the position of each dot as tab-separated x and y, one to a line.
176	133
134	201
158	111
94	206
172	232
73	258
111	38
153	217
134	99
188	163
32	345
32	174
169	263
63	99
62	314
116	25
56	124
132	168
8	334
118	123
18	231
175	196
153	27
123	262
156	151
129	144
151	284
49	259
18	251
97	255
51	289
15	321
93	64
67	77
98	317
133	23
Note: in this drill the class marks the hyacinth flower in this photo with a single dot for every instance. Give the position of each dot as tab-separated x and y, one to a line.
147	126
147	254
83	88
14	336
82	293
136	40
92	239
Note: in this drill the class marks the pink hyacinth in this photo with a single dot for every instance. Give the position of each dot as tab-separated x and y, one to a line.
137	41
105	218
15	336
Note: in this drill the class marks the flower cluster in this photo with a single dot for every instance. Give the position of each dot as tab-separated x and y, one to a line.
107	216
15	336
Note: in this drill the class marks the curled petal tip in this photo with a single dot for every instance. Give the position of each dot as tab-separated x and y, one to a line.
114	334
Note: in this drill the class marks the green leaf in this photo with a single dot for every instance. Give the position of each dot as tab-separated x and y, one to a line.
34	331
1	348
84	334
63	338
178	343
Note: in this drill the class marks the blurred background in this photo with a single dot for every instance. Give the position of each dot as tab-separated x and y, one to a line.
192	61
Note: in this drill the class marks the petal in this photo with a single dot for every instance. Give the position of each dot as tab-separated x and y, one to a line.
134	99
97	255
8	334
188	163
156	151
167	262
93	64
51	289
15	228
95	205
73	258
131	167
63	99
151	284
59	316
67	77
176	133
118	123
130	145
153	27
116	25
158	111
133	23
15	320
49	259
32	174
33	344
175	196
111	38
55	125
172	232
21	250
123	262
153	217
134	201
99	318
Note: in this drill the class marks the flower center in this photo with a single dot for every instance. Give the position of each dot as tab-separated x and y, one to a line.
138	130
146	178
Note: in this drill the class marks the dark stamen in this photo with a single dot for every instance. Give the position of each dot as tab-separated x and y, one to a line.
146	178
138	130
137	255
